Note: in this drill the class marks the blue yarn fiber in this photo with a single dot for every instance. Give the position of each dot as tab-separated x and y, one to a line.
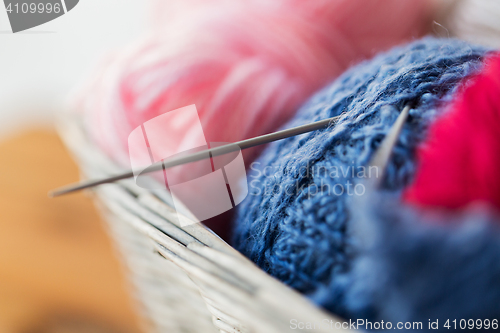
416	266
295	223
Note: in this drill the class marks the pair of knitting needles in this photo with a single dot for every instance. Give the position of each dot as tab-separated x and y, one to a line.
380	159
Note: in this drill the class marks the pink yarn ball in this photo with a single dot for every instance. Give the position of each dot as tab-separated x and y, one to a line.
247	66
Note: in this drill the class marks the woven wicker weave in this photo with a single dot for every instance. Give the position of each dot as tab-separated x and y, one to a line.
186	279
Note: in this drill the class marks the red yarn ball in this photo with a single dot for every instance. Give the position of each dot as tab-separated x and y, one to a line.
460	162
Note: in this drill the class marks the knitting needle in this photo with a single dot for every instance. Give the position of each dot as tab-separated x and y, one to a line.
383	154
188	158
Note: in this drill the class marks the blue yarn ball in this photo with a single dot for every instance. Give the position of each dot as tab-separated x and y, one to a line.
295	222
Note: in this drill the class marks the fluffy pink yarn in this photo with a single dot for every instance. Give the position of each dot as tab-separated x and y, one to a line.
247	66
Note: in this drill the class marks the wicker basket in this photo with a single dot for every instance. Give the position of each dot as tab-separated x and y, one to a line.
186	279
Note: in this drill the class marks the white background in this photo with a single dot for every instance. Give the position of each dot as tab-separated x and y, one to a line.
39	68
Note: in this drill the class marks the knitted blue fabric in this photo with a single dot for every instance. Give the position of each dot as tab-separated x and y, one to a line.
295	222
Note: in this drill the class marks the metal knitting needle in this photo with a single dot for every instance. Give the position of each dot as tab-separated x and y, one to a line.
383	154
188	158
